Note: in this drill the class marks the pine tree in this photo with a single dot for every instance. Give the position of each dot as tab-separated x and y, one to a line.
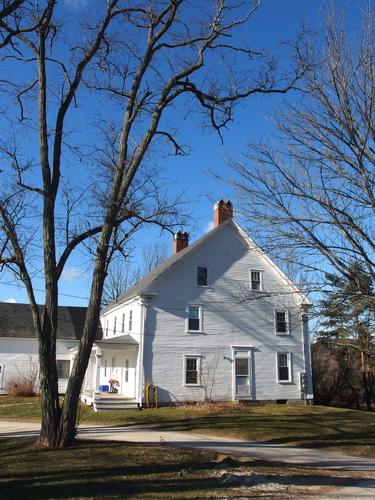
349	320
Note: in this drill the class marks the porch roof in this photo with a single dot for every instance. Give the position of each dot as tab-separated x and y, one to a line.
117	342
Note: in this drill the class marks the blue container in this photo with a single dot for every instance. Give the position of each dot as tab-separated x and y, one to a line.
103	388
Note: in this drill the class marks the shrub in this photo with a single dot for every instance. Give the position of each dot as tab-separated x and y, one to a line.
20	387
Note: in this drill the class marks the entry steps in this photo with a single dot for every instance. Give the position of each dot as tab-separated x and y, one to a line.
115	404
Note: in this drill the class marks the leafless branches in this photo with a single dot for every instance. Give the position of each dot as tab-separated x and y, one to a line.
140	63
313	193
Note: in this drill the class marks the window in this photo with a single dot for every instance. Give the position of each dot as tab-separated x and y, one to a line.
202	276
106	328
123	323
283	367
126	370
130	320
282	324
105	367
63	368
256	280
192	367
114	325
194	319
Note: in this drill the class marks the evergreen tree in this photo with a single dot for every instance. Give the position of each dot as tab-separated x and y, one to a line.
349	320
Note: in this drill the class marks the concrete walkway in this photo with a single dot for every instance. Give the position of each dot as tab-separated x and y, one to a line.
280	453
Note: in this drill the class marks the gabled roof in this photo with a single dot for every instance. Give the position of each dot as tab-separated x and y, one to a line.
16	321
167	265
145	282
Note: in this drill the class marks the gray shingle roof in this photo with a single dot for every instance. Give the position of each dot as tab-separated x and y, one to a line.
16	321
122	339
164	266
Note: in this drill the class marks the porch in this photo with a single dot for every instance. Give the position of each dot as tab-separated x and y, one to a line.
115	360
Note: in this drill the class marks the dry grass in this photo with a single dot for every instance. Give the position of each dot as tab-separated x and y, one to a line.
122	470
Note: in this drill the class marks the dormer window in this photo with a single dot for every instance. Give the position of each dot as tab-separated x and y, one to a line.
202	276
256	280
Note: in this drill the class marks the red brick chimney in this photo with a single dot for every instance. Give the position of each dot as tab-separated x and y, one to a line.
222	212
180	241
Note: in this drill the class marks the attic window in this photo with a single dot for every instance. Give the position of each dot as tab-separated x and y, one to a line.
256	280
202	276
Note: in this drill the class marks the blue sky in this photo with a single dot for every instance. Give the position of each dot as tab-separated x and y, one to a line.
276	20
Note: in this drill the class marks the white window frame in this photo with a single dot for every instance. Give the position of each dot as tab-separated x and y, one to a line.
196	277
198	357
290	378
243	352
287	321
260	277
200	312
130	320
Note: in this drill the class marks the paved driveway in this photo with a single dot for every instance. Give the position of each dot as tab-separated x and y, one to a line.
281	453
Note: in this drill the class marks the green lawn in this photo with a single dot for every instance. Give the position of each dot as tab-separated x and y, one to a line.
314	426
94	469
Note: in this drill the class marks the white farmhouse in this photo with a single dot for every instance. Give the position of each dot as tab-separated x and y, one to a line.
19	357
217	321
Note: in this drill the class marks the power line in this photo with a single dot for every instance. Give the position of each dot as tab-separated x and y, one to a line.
43	291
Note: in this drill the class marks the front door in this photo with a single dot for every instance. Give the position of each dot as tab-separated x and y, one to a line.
242	374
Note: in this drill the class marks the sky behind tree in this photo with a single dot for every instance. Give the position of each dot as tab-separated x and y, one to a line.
275	22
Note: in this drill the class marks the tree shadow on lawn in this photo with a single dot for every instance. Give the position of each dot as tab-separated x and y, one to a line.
195	475
290	428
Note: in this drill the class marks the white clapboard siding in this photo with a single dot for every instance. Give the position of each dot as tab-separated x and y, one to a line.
232	315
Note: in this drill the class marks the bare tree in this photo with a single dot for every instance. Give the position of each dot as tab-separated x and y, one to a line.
208	374
309	197
122	275
120	278
143	60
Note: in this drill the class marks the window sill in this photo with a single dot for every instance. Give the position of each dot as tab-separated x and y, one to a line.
194	332
192	385
282	334
285	381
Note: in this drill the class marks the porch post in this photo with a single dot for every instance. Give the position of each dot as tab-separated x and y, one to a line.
2	367
140	360
98	356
